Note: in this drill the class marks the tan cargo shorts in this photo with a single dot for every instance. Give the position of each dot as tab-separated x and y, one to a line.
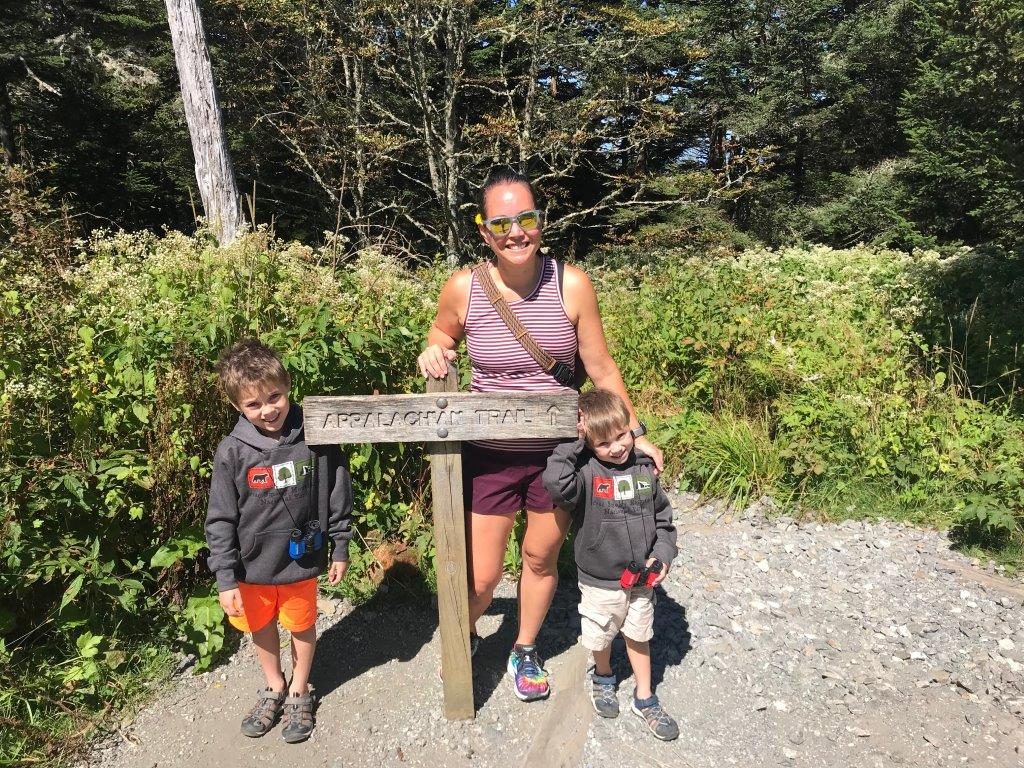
606	612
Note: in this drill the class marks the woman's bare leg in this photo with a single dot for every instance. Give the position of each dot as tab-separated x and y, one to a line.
545	532
487	538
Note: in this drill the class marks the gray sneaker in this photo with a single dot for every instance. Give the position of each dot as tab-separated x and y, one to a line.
659	722
298	718
602	694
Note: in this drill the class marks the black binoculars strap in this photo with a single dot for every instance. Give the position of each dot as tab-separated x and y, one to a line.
320	505
643	525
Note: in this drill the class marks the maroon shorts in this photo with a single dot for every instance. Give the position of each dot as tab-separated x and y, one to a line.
503	482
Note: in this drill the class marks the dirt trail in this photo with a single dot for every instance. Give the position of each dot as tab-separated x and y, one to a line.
776	643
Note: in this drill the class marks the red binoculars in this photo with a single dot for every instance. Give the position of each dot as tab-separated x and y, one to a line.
639	576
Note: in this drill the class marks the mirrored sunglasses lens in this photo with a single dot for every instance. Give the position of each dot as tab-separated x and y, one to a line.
500	226
529	220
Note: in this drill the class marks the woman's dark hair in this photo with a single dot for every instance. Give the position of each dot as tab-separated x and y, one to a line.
501	174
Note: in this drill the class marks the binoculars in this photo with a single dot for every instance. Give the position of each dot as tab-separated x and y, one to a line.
640	576
303	542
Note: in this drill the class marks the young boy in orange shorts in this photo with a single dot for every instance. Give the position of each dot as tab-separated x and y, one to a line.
276	508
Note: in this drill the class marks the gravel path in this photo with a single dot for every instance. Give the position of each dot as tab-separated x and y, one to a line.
776	643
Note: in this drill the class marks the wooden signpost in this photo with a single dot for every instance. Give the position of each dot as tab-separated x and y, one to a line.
442	418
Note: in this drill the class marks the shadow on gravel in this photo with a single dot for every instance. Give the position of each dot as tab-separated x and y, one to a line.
399	624
392	626
559	633
669	646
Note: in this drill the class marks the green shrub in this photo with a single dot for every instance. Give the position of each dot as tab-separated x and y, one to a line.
735	458
112	417
871	205
816	352
977	321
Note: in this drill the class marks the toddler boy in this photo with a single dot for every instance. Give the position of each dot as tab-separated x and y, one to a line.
625	543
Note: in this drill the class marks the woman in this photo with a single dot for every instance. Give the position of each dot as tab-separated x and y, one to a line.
503	477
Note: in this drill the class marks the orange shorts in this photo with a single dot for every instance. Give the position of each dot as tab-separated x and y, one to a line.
294	605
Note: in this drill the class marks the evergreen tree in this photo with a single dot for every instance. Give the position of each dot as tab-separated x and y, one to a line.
83	82
964	119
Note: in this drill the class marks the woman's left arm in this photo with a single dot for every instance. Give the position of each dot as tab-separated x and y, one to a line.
581	306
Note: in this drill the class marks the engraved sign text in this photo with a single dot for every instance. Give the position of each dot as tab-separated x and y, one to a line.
465	416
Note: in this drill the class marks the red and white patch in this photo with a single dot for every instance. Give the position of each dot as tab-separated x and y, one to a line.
260	478
603	488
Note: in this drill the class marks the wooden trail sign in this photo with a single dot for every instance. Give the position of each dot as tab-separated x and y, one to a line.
445	415
443	418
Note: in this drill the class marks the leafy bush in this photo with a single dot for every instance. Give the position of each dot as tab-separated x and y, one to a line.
112	417
802	372
977	319
867	206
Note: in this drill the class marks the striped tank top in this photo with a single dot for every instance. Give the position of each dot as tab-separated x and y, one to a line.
499	362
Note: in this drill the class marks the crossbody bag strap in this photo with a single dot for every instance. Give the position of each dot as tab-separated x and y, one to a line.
562	373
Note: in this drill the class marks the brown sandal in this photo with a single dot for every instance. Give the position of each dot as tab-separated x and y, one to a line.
263	715
298	717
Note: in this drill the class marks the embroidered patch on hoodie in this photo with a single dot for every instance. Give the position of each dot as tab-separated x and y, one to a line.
624	487
284	474
643	486
603	488
260	478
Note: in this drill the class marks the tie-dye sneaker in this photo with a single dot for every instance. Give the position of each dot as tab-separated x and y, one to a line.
527	672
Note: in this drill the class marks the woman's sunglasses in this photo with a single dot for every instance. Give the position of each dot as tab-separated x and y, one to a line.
502	225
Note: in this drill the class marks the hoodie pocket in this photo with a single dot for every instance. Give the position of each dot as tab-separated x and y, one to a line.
608	553
595	545
267	556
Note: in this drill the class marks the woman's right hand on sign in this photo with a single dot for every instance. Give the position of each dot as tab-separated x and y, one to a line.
434	361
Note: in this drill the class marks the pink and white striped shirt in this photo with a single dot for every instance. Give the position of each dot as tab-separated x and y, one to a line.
499	362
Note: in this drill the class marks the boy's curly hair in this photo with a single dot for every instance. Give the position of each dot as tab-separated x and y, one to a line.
249	363
604	412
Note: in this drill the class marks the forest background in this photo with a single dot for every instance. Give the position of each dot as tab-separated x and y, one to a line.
805	220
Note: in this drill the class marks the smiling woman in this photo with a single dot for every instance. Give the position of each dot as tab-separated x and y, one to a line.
503	477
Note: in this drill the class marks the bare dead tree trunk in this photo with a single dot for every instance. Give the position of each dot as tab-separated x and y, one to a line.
355	89
10	148
439	117
214	173
716	144
529	103
455	50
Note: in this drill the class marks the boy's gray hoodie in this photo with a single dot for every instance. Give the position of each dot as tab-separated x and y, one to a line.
262	488
620	513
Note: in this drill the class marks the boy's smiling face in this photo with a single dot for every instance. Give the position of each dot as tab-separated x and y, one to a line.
265	405
614	448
